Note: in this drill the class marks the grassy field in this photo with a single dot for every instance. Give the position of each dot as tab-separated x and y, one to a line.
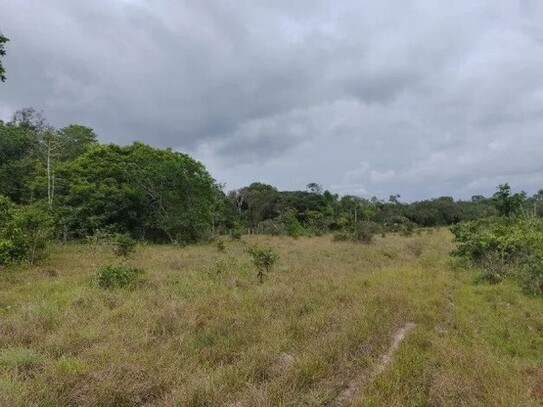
202	332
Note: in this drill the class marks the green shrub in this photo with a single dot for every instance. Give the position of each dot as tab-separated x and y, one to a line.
365	231
399	224
123	245
494	268
290	223
24	232
264	259
8	252
502	246
406	229
510	240
121	276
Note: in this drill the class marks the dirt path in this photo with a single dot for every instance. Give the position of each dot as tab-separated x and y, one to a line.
354	385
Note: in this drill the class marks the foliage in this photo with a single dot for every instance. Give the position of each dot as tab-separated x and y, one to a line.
264	259
365	231
509	239
153	194
121	276
271	227
17	162
236	234
123	245
507	204
532	275
8	252
290	223
75	139
500	245
24	232
164	196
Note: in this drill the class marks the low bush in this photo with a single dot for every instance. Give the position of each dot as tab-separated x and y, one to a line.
502	246
365	231
121	276
291	224
123	245
264	259
24	232
532	275
399	224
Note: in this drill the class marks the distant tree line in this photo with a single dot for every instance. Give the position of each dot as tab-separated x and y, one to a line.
83	188
86	187
265	209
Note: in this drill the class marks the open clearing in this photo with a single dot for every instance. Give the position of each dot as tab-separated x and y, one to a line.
202	332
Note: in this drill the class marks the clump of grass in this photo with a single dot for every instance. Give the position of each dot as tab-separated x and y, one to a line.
121	276
225	264
236	234
342	236
221	247
19	360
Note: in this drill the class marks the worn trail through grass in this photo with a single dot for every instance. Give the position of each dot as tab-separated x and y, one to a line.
354	385
331	324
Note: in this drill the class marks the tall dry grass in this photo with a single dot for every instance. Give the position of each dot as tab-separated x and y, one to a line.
202	332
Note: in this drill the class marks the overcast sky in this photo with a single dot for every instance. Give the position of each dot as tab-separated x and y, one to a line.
420	98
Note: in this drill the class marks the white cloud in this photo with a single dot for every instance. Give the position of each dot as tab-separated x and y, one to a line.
432	98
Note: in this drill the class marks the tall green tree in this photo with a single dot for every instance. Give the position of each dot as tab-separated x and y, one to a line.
17	163
75	139
153	194
507	203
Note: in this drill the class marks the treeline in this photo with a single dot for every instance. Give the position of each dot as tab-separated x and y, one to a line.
81	188
264	209
87	187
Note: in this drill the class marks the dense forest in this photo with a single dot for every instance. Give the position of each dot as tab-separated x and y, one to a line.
64	184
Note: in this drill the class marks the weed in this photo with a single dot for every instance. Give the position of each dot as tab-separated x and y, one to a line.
221	247
119	276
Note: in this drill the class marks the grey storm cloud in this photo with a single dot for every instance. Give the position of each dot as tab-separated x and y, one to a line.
416	97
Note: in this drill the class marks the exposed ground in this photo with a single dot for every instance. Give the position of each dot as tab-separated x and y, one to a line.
203	332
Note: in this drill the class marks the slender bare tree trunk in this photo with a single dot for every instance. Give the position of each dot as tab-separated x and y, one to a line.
49	197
